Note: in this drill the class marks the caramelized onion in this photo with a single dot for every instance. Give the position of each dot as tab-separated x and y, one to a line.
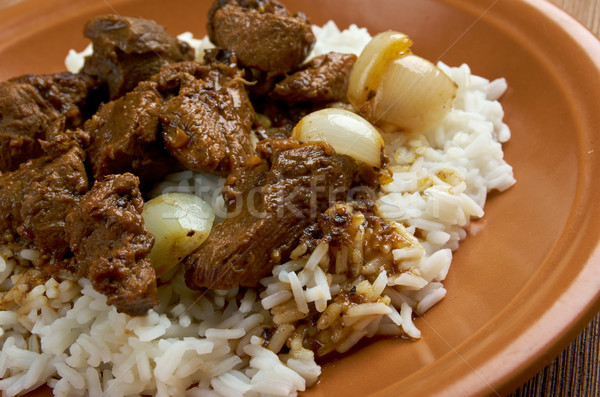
368	70
346	132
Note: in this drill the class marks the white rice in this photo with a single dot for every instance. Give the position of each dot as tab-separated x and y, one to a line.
210	344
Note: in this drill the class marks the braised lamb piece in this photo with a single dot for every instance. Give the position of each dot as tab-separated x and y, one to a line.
296	184
207	117
125	136
129	50
35	199
31	105
324	79
107	235
261	33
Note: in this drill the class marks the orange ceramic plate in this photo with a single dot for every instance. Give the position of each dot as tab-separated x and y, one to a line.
527	279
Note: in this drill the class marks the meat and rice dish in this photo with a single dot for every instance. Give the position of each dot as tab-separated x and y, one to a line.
213	217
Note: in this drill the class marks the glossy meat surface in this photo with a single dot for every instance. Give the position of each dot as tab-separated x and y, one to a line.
35	199
207	116
287	196
128	50
272	39
107	235
32	107
324	79
125	136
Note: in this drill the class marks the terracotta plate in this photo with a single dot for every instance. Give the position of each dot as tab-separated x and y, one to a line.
527	279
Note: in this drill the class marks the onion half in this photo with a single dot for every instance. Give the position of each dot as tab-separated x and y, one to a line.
180	222
414	94
372	62
346	132
397	87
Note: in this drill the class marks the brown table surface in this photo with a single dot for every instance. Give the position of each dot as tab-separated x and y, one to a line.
576	372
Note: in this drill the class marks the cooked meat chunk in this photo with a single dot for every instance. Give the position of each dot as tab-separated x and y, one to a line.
261	33
24	118
107	235
35	199
125	137
283	117
128	50
294	188
324	79
74	96
58	140
207	118
31	105
242	182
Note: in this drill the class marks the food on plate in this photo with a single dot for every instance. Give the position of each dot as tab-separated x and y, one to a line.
200	216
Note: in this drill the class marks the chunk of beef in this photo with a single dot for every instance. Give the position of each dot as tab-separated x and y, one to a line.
125	136
129	50
74	96
262	34
35	199
207	117
30	109
107	235
297	185
324	79
24	118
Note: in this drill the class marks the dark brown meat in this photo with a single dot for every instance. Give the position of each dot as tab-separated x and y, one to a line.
297	186
30	109
58	140
74	96
284	117
262	34
107	235
207	118
35	199
129	50
240	184
24	118
324	79
125	136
